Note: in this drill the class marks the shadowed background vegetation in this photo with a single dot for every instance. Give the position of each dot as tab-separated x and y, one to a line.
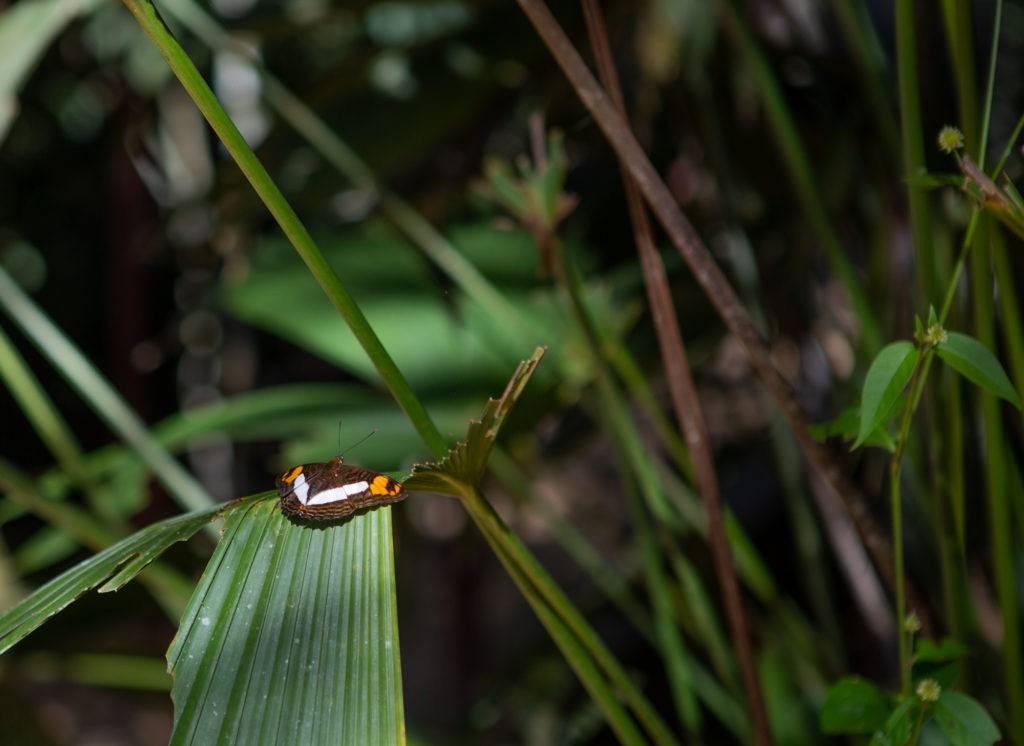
472	207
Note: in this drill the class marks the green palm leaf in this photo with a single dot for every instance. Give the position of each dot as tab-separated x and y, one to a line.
462	469
291	636
116	565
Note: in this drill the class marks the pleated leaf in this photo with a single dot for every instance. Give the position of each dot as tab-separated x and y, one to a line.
291	636
115	565
466	460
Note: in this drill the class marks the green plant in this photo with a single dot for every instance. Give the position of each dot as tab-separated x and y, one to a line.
855	706
618	499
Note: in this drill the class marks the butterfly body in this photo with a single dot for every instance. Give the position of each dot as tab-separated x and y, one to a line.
324	492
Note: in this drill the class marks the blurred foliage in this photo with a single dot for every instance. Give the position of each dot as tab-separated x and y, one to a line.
774	124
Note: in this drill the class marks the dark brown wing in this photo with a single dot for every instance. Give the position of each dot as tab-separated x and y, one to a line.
372	490
313	473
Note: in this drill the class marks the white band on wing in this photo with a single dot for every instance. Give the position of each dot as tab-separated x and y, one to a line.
338	493
300	488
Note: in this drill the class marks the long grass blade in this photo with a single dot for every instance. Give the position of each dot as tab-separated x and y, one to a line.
148	18
99	394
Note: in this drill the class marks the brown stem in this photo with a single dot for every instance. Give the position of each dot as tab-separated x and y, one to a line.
683	392
709	275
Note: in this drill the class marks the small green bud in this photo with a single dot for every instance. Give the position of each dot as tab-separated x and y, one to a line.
928	690
912	623
950	139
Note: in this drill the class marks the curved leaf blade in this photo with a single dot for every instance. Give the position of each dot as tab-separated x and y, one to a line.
854	705
964	721
466	461
113	567
887	377
971	359
291	636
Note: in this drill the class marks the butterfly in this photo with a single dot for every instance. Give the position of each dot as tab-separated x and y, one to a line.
325	492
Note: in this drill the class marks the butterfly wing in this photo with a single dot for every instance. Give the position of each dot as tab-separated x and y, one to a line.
300	481
334	491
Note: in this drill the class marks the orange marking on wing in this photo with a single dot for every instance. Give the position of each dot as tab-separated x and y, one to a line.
291	476
379	485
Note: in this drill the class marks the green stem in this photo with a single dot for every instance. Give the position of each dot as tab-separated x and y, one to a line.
532	577
1008	148
293	228
954	280
994	454
917	379
997	487
613	581
986	117
1013	328
670	642
960	40
913	147
571	646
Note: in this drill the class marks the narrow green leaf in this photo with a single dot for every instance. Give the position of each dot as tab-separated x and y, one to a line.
964	721
47	546
975	362
885	381
854	705
49	424
132	553
291	636
99	393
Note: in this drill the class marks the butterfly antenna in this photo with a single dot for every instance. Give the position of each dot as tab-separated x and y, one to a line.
361	441
339	435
